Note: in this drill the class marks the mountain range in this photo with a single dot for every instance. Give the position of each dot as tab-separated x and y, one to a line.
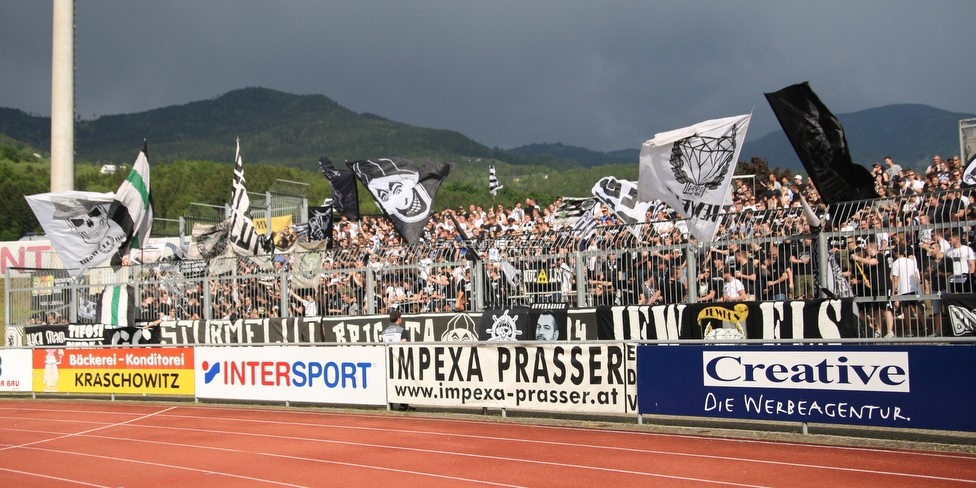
294	130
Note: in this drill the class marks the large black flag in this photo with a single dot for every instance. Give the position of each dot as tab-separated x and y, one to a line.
819	141
404	192
345	195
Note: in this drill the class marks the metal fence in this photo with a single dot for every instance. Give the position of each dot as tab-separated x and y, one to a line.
896	256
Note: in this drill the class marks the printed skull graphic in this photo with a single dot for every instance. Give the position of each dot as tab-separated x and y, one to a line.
395	183
86	218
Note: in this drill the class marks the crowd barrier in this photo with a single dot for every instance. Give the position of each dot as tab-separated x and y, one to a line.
883	385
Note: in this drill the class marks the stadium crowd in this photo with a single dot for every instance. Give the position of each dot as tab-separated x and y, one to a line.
911	241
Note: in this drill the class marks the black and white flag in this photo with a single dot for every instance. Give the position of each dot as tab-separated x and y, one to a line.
320	224
404	192
620	196
691	168
79	227
493	185
132	208
345	194
243	237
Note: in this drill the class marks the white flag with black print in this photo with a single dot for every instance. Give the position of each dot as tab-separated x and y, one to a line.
493	185
79	227
403	191
620	196
132	208
691	168
243	237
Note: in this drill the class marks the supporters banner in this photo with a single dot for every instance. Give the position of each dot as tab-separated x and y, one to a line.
81	335
292	330
150	371
345	193
50	289
208	241
691	168
352	375
819	141
730	321
962	313
578	325
15	370
906	386
551	378
403	191
79	227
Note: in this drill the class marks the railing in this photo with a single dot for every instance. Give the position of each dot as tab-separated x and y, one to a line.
774	254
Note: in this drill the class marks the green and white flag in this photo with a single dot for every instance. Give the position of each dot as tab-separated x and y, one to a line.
132	208
118	306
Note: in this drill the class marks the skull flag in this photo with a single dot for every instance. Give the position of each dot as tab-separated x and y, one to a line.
79	227
690	169
404	192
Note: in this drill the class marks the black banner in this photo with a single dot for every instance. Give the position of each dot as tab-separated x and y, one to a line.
819	141
961	308
440	327
80	335
720	322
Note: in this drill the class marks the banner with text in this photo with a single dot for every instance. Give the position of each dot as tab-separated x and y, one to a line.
572	324
347	375
80	335
151	371
15	370
552	378
730	321
888	386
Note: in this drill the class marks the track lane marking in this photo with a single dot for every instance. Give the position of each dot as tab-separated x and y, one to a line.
49	477
601	447
239	451
65	436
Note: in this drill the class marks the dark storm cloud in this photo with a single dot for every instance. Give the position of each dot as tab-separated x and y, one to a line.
603	75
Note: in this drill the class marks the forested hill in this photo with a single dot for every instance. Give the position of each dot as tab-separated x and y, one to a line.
274	128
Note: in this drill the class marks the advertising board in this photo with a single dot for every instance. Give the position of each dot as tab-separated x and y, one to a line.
910	386
556	378
151	371
352	375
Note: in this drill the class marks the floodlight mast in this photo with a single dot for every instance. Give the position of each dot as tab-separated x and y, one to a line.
63	97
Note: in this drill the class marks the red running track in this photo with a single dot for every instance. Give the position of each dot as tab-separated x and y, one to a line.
72	443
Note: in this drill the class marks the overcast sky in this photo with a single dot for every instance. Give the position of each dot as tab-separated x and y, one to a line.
604	75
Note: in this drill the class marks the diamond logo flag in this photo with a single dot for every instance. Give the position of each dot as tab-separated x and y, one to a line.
691	168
